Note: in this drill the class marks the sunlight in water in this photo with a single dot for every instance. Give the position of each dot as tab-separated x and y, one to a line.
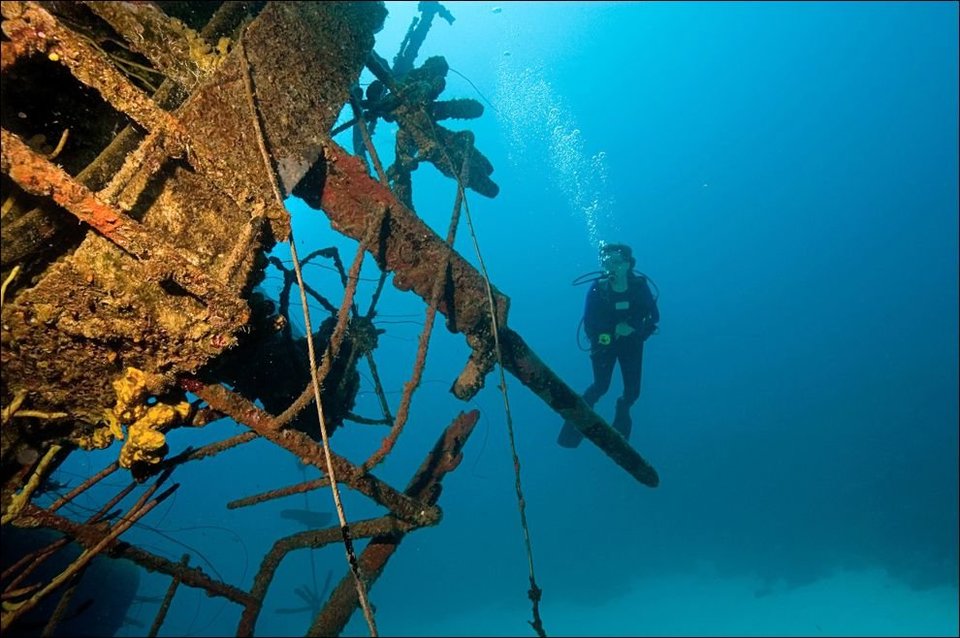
539	125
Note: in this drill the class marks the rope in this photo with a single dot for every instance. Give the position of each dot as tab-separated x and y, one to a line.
344	526
424	340
535	593
479	92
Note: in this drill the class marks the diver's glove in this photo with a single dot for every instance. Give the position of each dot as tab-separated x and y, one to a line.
648	330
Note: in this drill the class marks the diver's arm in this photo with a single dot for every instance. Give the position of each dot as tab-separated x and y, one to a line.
596	317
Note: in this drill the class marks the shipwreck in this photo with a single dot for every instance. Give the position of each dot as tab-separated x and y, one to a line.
147	152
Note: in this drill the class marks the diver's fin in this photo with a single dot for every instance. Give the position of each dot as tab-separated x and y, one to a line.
569	435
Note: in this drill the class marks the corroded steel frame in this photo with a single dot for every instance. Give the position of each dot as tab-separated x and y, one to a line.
227	166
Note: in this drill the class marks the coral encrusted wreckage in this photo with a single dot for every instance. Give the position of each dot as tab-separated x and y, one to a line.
147	150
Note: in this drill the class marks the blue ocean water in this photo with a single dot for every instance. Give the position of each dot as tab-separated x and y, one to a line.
787	175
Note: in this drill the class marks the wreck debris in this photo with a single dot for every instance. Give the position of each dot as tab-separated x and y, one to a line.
309	452
524	364
19	501
425	487
168	597
412	102
13	610
198	128
417	33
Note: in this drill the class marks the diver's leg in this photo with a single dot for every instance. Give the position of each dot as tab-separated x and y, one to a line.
603	362
631	367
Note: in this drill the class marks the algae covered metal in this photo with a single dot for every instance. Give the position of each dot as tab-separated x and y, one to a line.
147	149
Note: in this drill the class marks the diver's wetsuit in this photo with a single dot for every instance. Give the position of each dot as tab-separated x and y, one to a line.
604	310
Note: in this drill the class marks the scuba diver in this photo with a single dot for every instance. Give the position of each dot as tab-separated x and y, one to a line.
620	314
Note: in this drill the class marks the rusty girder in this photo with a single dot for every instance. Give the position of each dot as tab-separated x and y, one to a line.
385	533
410	248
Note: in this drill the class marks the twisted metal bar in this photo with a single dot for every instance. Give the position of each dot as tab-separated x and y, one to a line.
83	487
290	490
168	598
12	611
424	340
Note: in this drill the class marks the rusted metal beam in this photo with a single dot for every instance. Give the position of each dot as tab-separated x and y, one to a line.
310	539
523	363
410	248
165	605
88	535
311	452
104	539
282	492
425	486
